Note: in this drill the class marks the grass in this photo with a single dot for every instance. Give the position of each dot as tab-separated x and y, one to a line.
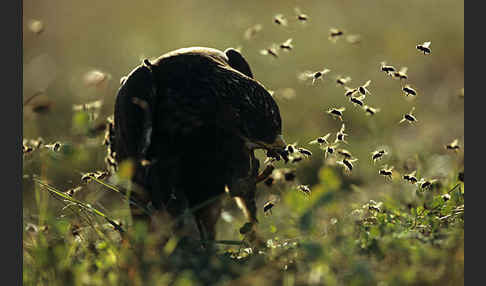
354	228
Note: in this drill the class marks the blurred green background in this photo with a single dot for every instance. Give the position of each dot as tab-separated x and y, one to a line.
115	36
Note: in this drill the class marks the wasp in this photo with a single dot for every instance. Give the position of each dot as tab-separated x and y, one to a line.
321	140
357	100
350	91
345	153
454	145
290	175
304	189
370	110
330	149
280	19
304	151
73	191
96	78
387	69
353	39
408	90
291	148
301	16
26	149
56	146
386	172
36	27
85	178
411	178
347	164
284	93
267	207
401	74
287	45
340	135
252	31
377	155
424	184
37	143
270	51
363	89
334	34
425	48
446	197
409	117
342	80
318	75
111	162
337	112
100	175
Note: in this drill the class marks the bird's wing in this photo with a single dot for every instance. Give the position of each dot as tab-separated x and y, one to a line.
132	121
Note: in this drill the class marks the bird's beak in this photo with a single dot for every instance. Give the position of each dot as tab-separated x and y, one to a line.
279	143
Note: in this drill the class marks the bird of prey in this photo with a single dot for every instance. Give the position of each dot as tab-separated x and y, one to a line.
197	115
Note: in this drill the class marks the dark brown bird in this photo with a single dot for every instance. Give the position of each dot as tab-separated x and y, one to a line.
205	115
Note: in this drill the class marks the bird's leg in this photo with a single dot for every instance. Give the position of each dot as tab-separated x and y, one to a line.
206	219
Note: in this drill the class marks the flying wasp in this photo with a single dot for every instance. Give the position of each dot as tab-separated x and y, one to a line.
300	16
411	178
353	39
357	100
334	34
56	146
270	51
315	76
85	178
26	149
340	135
386	172
287	45
370	110
321	140
36	26
424	184
454	145
409	91
345	153
291	148
363	89
304	189
425	47
347	164
73	191
401	74
342	80
337	112
409	117
280	19
377	155
350	91
330	149
267	207
304	152
252	31
100	175
387	69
